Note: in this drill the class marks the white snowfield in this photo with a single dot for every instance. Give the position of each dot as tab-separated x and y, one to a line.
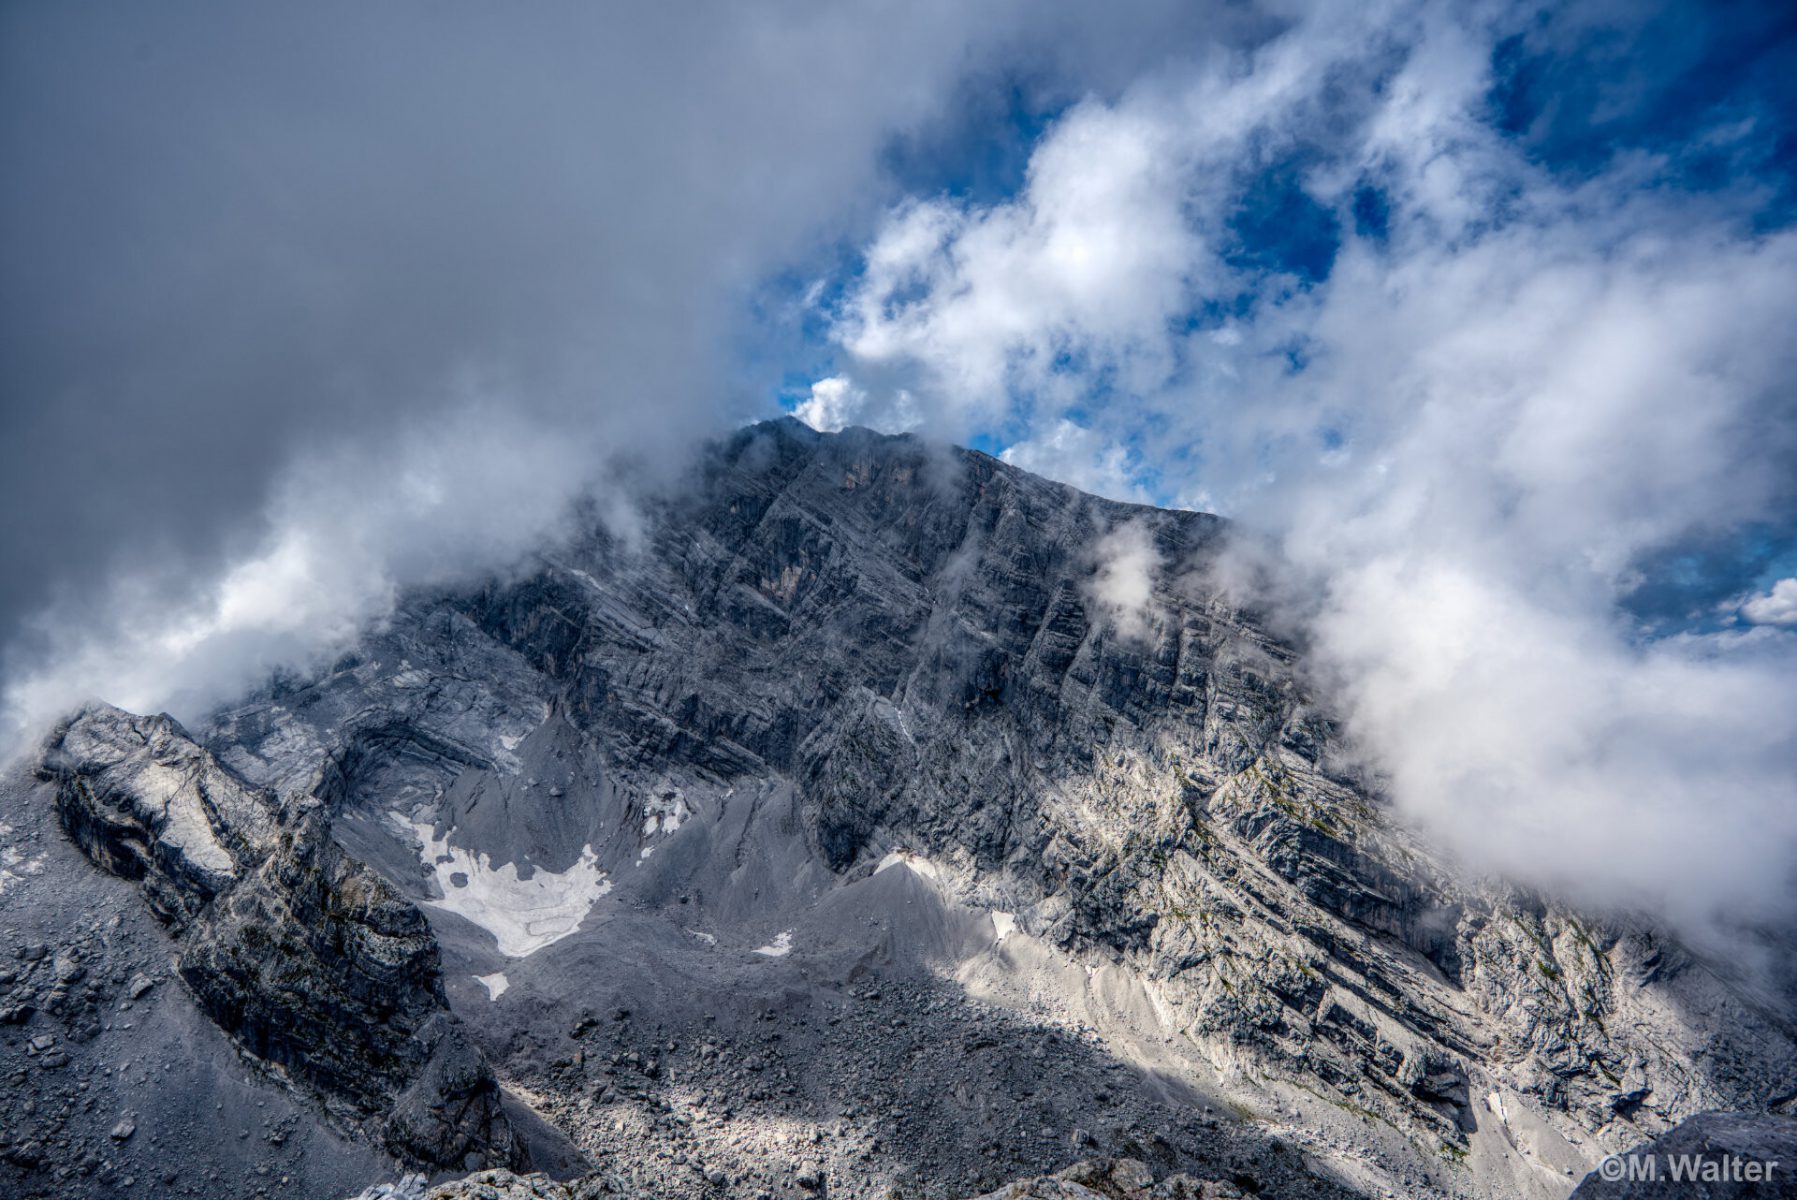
780	947
916	863
496	983
523	915
665	814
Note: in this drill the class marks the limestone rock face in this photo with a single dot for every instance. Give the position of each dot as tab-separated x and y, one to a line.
145	802
915	638
306	958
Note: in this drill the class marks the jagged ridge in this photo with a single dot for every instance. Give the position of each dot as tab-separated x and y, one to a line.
310	961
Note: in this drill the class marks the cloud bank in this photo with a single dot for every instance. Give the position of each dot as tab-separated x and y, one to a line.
1475	390
303	305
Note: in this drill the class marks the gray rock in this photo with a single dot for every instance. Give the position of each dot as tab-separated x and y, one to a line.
500	1185
1114	1179
1711	1156
304	956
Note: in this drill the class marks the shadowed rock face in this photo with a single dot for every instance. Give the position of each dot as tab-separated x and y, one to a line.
304	956
844	709
1712	1156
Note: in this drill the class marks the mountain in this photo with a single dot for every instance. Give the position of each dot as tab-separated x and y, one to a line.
835	826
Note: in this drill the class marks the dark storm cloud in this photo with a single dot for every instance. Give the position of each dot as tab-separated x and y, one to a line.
230	230
261	262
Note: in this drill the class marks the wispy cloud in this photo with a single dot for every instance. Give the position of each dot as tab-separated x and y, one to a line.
1776	607
1122	586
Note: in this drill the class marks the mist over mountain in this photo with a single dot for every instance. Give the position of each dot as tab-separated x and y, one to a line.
782	600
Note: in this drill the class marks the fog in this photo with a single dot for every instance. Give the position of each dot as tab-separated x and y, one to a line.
304	305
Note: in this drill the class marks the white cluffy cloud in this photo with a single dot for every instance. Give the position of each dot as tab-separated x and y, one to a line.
260	436
345	532
835	404
1083	457
1464	442
1123	587
1776	607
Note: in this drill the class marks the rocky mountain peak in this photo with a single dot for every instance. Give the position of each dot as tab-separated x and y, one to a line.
875	812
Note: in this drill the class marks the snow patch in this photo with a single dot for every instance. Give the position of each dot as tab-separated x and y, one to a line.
664	814
496	983
780	947
917	863
523	915
14	865
1004	924
710	939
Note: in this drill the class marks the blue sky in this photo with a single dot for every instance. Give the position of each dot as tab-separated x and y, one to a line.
1691	105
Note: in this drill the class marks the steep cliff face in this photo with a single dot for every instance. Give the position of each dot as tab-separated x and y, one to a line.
852	749
305	957
918	640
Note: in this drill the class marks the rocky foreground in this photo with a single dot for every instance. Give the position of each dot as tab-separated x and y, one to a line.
1098	1179
1713	1156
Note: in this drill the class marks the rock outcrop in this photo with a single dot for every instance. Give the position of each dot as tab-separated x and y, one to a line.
1114	1179
143	801
1712	1156
310	961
